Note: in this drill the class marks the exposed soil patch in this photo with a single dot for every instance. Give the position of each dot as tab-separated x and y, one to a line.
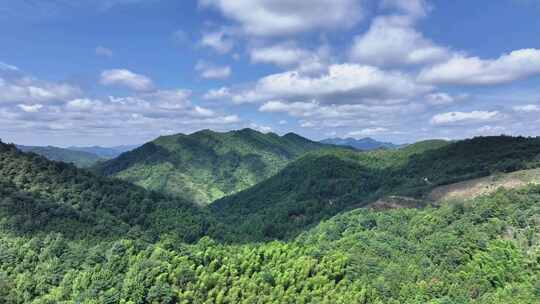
482	186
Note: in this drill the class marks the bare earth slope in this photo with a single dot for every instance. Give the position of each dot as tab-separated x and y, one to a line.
485	185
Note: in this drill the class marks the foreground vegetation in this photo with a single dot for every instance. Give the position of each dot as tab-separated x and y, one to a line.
481	251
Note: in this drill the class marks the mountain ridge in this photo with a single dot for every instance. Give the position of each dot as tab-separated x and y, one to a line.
206	165
366	143
81	159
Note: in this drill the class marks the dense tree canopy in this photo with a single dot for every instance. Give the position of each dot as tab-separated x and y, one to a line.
69	236
323	183
207	165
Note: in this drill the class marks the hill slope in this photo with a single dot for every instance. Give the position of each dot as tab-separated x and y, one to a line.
476	252
321	184
365	144
80	159
41	196
207	165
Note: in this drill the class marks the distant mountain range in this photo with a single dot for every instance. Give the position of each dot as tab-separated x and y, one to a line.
105	152
366	143
80	159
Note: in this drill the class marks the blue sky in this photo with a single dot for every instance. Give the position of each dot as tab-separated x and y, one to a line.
114	72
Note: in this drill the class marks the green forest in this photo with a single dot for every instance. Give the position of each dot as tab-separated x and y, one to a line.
303	234
207	165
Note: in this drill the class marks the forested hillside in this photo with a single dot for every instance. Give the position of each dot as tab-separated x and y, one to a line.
485	251
321	184
69	236
207	165
80	159
41	196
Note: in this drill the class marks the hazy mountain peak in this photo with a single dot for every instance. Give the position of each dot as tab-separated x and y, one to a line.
366	143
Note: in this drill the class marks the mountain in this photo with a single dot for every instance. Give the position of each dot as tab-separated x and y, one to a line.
206	165
78	158
105	152
69	236
41	196
365	144
323	183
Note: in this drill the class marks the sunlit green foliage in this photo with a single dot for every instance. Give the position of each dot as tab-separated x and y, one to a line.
40	196
207	165
483	251
68	236
324	183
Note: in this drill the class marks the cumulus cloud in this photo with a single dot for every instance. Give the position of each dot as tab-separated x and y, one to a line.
367	132
30	90
220	93
283	17
528	108
465	117
211	71
444	99
220	40
30	108
315	115
127	78
145	114
463	70
392	40
279	54
416	8
260	128
103	51
343	83
490	130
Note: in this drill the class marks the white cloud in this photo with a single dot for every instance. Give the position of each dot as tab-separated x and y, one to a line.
260	128
82	104
30	108
392	40
343	83
279	54
103	51
346	115
220	93
465	117
220	41
8	67
529	108
444	99
30	90
294	108
307	124
462	70
367	132
490	130
416	8
284	17
126	78
210	71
